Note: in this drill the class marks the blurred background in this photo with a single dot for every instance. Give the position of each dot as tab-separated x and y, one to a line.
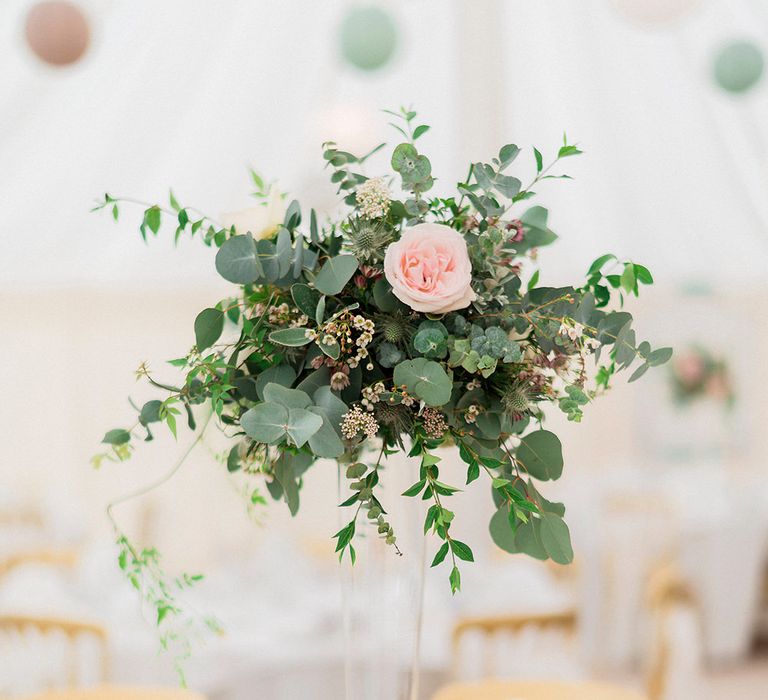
665	480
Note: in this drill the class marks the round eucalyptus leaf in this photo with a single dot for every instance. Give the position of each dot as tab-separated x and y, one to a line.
209	325
302	425
431	343
265	422
335	274
541	455
118	436
326	441
237	261
290	398
501	531
284	375
425	379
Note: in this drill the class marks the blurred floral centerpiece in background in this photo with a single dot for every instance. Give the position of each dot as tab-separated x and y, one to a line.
698	374
410	322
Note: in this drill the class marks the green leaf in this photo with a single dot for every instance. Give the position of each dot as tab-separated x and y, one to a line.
643	274
284	251
462	551
290	337
440	556
625	345
556	538
540	454
659	356
331	404
209	325
335	274
326	441
416	489
537	233
425	379
290	398
152	218
305	298
312	382
628	278
116	437
383	296
284	375
420	131
566	151
539	160
150	412
639	372
597	264
265	422
302	425
238	262
233	459
455	579
333	350
507	154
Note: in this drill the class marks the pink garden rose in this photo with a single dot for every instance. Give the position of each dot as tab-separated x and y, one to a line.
429	269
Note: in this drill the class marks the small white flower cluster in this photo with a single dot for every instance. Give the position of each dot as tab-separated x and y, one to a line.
576	332
372	395
365	328
357	421
434	422
473	384
280	314
471	414
373	198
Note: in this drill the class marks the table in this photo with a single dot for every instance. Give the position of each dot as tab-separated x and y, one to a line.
535	690
118	693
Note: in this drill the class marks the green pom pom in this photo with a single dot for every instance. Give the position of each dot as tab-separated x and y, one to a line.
368	37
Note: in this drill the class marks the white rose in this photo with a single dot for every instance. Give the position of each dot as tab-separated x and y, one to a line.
262	221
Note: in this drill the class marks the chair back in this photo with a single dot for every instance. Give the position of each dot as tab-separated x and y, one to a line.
491	626
667	591
57	558
73	632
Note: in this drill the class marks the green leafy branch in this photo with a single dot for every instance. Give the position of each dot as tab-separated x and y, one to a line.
438	518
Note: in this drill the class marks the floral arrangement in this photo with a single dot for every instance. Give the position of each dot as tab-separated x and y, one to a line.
698	374
409	322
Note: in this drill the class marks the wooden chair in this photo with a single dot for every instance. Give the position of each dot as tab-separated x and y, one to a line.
117	693
535	690
58	558
72	630
667	591
491	626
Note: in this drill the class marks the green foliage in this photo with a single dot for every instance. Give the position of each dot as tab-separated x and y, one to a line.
209	325
324	360
425	379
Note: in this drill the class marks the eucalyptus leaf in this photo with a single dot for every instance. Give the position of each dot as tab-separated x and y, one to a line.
302	425
284	375
265	422
424	379
556	538
237	260
291	337
209	325
335	274
290	398
305	298
541	455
